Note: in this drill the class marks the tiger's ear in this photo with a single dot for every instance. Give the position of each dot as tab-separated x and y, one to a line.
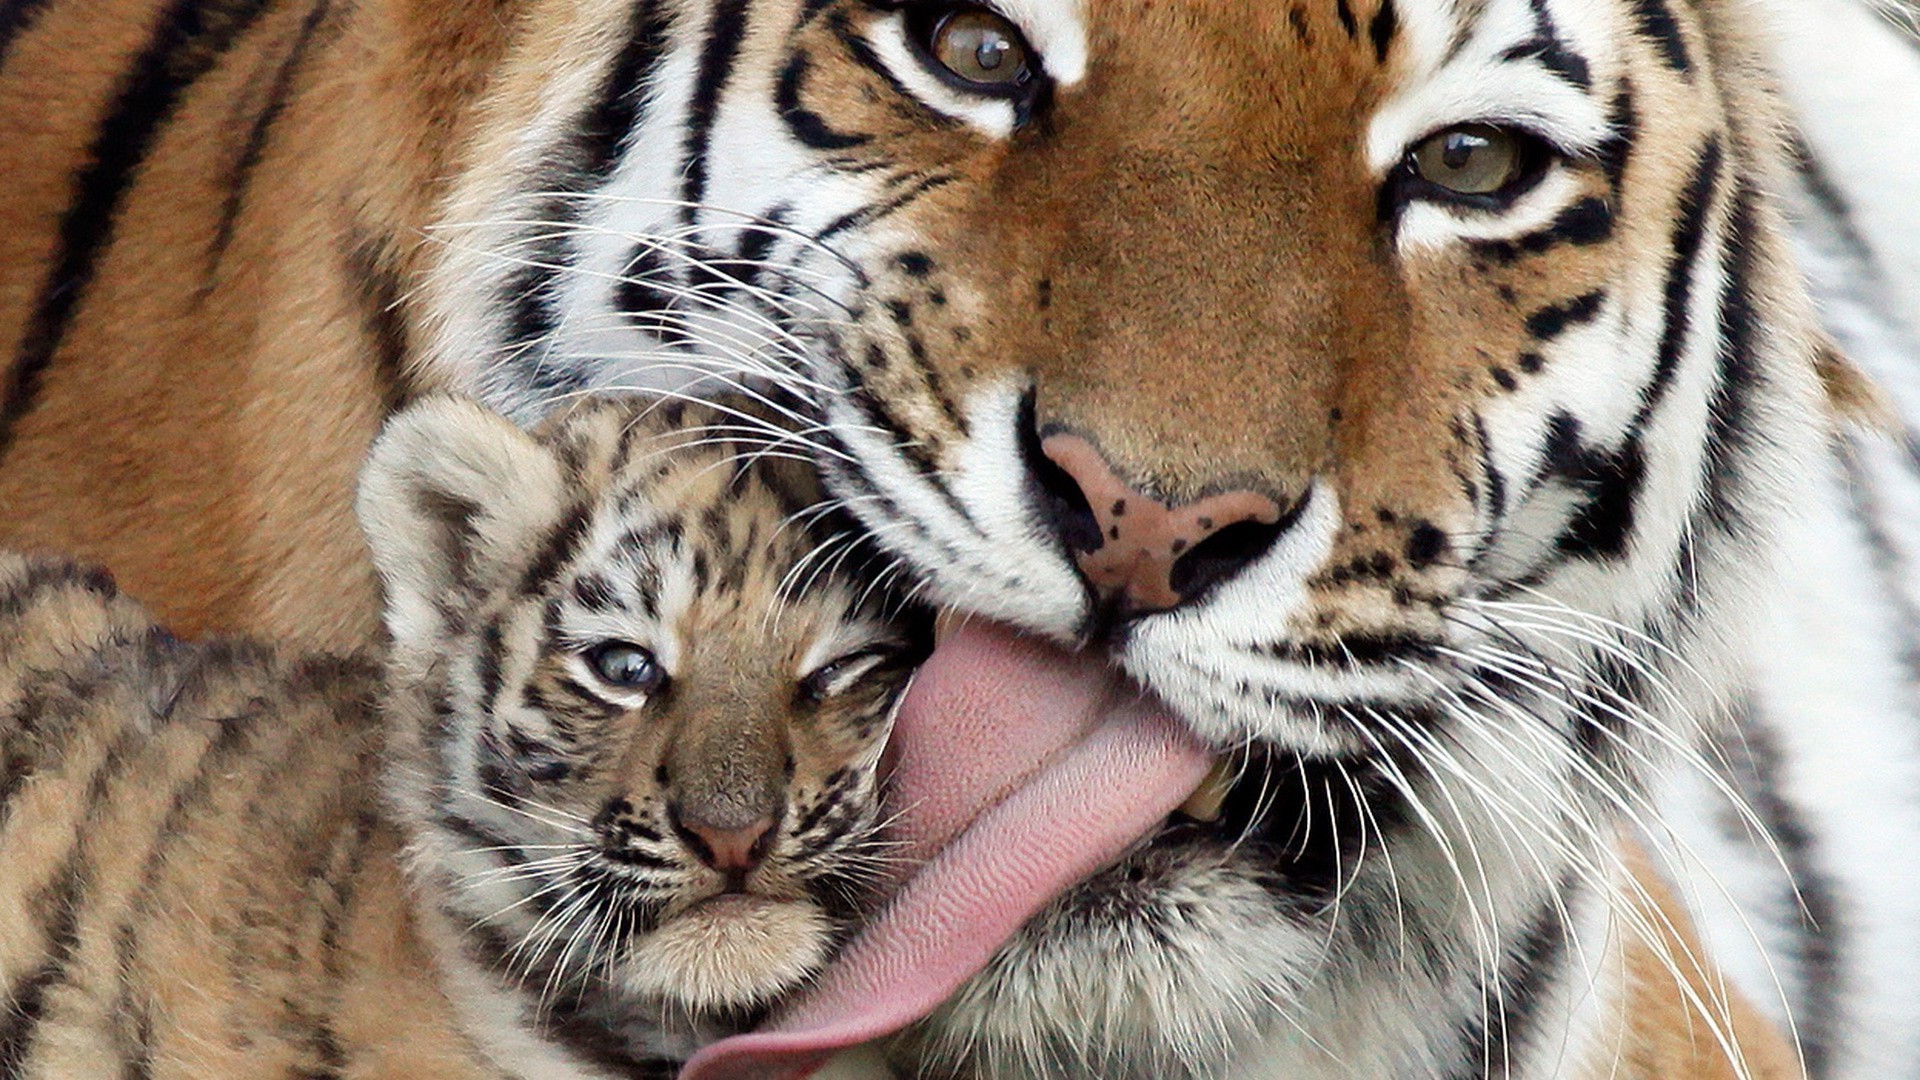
1851	394
452	494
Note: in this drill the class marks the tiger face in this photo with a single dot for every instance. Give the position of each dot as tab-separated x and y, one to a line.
1394	389
641	701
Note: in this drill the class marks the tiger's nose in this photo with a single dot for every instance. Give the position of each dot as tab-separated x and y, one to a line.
1143	552
732	849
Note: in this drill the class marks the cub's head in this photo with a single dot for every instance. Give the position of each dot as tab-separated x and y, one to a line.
639	698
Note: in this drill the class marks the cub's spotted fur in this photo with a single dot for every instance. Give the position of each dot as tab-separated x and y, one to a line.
617	788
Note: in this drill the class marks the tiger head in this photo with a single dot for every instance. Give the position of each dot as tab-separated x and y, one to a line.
1399	391
639	701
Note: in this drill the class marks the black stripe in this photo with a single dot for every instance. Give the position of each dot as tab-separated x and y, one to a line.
1586	222
1546	47
1604	523
1347	21
1831	201
559	547
724	34
609	125
1553	320
16	18
379	297
1529	973
489	663
869	214
255	146
530	293
1381	28
1819	946
1657	22
27	999
1609	479
59	902
1689	235
189	40
1494	479
1617	151
1730	427
805	124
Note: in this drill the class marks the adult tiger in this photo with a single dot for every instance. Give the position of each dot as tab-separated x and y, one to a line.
1417	396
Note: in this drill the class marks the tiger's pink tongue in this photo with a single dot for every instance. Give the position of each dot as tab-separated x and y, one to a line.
1019	771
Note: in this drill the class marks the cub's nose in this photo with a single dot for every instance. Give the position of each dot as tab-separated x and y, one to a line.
723	842
1147	554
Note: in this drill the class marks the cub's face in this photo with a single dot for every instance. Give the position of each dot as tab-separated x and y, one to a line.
651	700
1374	381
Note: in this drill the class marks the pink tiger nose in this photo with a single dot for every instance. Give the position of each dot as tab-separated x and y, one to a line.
733	851
1143	540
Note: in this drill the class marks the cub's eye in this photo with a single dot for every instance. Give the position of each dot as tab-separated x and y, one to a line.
625	665
1479	164
984	51
836	675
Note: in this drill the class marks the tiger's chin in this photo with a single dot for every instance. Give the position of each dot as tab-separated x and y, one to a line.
1158	968
728	953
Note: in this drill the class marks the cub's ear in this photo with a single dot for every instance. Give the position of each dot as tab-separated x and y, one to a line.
451	494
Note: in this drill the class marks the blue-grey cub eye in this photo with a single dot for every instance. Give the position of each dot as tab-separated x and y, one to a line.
626	665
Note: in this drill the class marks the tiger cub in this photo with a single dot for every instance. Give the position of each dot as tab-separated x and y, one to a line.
613	792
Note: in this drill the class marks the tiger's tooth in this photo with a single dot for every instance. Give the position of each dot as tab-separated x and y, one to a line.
946	621
1207	799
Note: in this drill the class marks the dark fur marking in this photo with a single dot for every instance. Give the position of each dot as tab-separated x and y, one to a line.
1551	321
1546	46
1658	24
615	113
1729	427
1583	223
1614	154
596	593
724	34
190	37
1303	30
1526	978
806	125
455	532
256	143
1496	481
1689	234
27	998
871	213
1610	479
377	290
1381	28
1426	545
560	545
1821	943
489	664
16	18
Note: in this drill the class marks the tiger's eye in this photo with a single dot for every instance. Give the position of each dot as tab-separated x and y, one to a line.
981	47
626	665
1472	159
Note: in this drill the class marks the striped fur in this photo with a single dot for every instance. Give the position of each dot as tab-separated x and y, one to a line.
1586	539
225	861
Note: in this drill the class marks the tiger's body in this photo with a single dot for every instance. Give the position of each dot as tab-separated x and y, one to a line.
225	861
1477	514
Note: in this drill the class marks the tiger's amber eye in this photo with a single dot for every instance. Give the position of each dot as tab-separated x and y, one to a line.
1472	159
981	47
